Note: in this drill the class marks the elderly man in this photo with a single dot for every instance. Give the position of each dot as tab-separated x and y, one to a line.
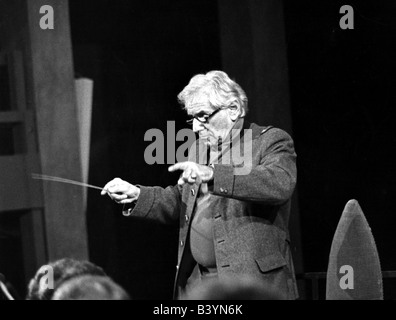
233	209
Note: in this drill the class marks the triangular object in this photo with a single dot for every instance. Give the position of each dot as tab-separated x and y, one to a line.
354	270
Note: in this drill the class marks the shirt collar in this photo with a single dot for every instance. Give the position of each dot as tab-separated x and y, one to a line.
234	133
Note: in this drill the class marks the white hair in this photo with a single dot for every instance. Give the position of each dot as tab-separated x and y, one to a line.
220	90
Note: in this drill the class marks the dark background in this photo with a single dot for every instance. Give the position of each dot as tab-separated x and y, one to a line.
342	95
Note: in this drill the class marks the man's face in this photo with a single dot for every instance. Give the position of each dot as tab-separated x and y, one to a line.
210	123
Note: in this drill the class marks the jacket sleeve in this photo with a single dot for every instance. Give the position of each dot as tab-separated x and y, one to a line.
272	180
158	204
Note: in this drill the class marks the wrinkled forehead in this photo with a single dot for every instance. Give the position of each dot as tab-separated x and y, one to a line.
198	104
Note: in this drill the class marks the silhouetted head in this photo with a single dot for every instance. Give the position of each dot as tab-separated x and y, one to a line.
232	288
90	288
51	275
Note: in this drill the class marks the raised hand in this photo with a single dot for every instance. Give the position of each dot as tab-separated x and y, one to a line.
192	172
121	191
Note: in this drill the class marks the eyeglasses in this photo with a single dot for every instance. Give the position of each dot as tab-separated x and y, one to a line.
202	117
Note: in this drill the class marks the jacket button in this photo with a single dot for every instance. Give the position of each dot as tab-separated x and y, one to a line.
193	192
221	190
186	218
181	243
225	191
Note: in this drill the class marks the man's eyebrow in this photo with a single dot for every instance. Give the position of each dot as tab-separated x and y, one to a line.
198	104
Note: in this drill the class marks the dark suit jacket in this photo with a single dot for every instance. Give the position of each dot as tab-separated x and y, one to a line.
250	227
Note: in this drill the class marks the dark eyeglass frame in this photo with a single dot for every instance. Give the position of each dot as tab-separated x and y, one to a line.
203	119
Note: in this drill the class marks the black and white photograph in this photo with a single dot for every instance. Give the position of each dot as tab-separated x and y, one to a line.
179	151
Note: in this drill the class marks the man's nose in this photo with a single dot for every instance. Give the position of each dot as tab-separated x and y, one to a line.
197	126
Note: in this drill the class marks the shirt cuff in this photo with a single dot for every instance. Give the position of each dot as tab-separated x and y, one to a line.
128	208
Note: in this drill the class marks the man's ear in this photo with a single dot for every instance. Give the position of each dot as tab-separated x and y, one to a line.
234	112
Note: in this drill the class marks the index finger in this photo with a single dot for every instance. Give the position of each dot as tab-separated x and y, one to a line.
178	166
110	184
